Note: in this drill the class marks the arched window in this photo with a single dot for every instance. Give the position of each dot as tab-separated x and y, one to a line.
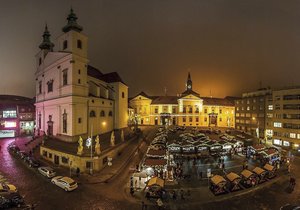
65	122
65	45
110	113
102	113
92	113
79	44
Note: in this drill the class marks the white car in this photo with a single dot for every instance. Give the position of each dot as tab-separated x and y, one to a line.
47	171
65	183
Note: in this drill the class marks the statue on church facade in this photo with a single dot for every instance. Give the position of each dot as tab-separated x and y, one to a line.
112	139
80	146
97	145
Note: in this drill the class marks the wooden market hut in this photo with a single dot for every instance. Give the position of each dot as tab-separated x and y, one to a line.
218	184
234	181
261	174
248	178
270	171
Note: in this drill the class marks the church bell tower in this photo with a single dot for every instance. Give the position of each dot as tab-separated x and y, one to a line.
189	83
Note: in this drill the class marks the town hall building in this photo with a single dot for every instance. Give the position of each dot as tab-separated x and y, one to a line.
186	109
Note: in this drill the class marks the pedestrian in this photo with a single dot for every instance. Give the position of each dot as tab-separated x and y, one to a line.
174	195
143	205
77	172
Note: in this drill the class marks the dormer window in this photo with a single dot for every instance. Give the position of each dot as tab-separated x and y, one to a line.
65	45
50	85
79	44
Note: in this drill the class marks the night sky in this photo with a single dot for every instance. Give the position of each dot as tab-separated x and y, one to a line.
229	46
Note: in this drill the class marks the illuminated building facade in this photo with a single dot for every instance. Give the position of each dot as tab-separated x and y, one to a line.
250	112
73	98
283	117
187	109
17	115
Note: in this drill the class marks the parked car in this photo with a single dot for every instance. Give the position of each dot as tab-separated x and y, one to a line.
11	200
22	154
7	189
290	207
32	162
65	183
47	171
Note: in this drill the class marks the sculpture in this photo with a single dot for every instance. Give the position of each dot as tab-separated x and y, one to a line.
80	147
112	139
97	146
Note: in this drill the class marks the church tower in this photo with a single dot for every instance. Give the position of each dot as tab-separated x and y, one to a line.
72	40
46	46
189	83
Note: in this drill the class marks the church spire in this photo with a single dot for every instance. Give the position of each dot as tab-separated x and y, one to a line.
189	83
46	44
72	23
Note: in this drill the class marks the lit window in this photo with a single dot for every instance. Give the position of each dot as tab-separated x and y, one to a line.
286	143
110	113
270	107
92	113
277	124
102	113
277	141
292	135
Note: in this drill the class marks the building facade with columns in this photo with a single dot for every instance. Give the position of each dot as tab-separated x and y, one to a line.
73	98
186	109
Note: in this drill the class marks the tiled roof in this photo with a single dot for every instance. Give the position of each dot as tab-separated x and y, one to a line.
155	162
188	92
16	100
109	77
165	100
217	101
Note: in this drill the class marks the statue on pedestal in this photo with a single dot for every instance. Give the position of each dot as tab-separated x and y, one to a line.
112	139
122	136
97	146
80	147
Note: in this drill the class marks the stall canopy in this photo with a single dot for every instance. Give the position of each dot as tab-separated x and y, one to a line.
247	173
268	167
155	162
155	181
153	152
258	170
232	176
217	180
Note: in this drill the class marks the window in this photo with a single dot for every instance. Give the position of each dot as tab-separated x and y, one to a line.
277	106
183	119
174	110
254	100
110	113
79	81
205	111
220	119
79	44
50	85
79	120
298	136
102	113
40	121
286	143
237	108
269	115
197	119
40	61
79	71
277	141
197	109
253	107
292	135
205	119
50	155
184	109
123	95
92	113
65	45
270	107
260	107
220	111
156	110
40	87
237	114
10	114
190	109
64	122
191	119
45	153
64	160
65	77
277	124
248	108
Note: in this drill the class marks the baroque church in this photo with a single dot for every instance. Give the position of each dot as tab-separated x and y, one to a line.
73	98
186	109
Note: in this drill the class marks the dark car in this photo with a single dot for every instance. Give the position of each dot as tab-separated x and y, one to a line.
11	200
32	162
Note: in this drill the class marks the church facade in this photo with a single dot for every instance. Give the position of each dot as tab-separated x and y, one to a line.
186	109
73	98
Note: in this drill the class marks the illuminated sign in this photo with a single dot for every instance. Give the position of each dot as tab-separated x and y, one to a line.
7	133
8	124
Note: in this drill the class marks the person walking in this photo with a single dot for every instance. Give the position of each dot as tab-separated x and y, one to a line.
77	172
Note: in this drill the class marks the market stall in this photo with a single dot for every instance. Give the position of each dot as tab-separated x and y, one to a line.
174	147
272	155
218	184
270	171
248	178
234	181
214	148
261	174
154	188
156	153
